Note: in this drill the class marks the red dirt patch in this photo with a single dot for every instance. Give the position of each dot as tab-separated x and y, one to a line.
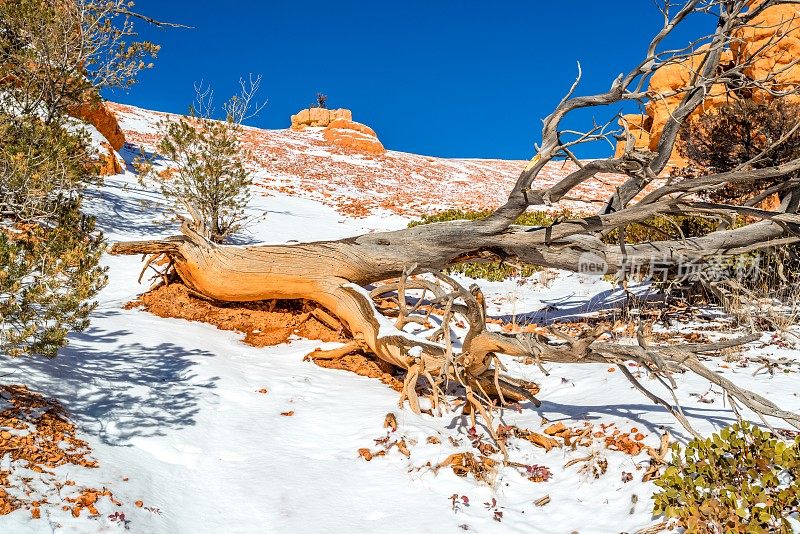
365	366
264	323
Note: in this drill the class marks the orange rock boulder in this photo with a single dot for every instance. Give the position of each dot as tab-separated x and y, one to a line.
109	163
103	119
319	117
354	136
771	43
667	87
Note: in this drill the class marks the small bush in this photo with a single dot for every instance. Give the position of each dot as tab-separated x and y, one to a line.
662	227
738	133
211	181
451	215
208	176
493	271
529	218
742	479
760	135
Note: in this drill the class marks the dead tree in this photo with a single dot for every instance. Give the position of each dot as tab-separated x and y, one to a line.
389	290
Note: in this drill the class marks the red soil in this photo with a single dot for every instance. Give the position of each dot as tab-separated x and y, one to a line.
263	323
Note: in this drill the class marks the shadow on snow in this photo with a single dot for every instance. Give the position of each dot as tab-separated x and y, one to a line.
120	392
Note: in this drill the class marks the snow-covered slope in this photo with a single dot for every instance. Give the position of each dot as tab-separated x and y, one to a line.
302	163
178	419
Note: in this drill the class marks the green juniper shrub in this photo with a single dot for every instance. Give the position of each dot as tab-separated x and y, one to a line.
738	133
664	228
493	271
49	250
529	218
742	479
758	135
53	56
50	274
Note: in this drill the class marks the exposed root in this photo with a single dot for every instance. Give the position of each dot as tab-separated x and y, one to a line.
334	354
409	391
657	459
460	312
544	442
328	320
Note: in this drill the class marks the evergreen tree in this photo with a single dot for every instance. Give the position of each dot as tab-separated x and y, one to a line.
743	133
53	55
209	180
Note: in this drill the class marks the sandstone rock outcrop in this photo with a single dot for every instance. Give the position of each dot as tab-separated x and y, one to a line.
774	35
340	129
108	160
99	116
319	117
354	136
772	42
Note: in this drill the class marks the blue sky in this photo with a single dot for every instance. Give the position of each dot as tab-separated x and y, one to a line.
438	77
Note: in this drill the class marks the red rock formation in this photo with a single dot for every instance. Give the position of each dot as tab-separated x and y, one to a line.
353	136
109	162
774	35
320	117
103	119
99	116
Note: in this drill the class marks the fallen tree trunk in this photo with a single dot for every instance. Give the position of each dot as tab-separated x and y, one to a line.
362	281
330	274
333	273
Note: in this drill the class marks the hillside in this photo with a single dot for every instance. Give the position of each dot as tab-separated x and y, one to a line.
303	164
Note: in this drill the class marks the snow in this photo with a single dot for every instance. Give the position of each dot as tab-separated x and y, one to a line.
174	407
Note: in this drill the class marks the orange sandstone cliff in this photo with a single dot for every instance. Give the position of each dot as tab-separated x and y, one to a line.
769	45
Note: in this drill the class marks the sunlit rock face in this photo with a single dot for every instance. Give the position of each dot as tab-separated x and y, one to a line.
353	136
105	122
769	45
340	129
319	117
98	115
